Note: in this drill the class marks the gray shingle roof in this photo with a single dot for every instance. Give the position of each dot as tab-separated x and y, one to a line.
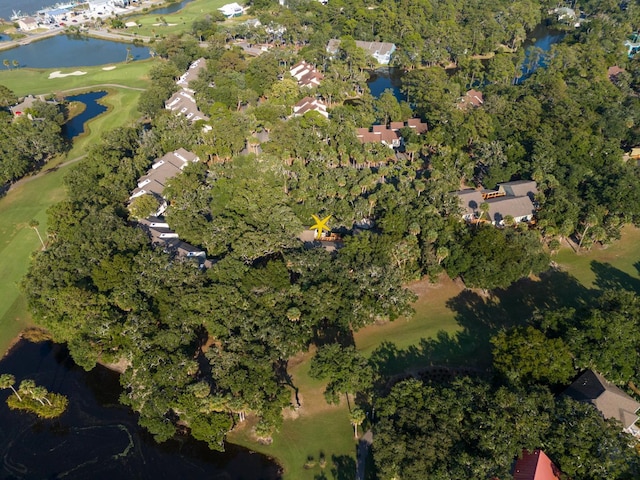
593	388
515	206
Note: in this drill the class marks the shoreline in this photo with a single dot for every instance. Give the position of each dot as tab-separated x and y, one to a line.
103	34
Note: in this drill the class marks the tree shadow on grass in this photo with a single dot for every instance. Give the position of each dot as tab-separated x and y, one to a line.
343	468
609	277
480	318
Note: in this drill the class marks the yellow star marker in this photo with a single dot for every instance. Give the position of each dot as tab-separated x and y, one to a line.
320	225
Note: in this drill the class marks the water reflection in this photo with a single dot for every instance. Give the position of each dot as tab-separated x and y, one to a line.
65	51
97	438
386	78
75	126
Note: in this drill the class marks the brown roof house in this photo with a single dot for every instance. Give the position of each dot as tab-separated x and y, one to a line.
593	388
389	135
306	74
512	199
167	167
309	104
473	98
535	466
381	51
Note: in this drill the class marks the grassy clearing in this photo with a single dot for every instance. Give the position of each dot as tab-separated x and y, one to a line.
23	81
590	268
152	25
314	431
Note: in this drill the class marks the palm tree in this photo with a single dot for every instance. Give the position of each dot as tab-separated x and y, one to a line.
34	224
6	63
6	381
26	387
484	211
15	63
356	417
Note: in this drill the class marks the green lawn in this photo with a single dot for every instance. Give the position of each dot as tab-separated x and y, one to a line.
23	81
151	24
317	429
31	200
17	242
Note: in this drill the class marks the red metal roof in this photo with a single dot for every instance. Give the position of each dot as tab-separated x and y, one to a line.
535	466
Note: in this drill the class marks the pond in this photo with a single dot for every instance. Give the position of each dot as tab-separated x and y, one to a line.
75	126
67	51
97	438
538	42
386	78
172	8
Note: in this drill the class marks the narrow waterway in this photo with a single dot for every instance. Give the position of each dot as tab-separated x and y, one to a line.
97	438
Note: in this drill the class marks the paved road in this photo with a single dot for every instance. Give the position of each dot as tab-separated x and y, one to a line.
363	450
107	35
30	38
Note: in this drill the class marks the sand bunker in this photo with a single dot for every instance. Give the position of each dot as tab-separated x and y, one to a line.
59	74
164	24
109	68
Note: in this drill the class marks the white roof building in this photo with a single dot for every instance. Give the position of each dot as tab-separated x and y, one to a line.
27	24
231	10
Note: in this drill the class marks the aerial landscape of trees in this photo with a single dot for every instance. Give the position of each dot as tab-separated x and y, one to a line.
202	349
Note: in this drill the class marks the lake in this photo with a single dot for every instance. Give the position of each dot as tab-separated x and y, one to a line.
96	437
67	51
75	126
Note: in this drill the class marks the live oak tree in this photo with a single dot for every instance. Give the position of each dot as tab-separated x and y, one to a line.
526	355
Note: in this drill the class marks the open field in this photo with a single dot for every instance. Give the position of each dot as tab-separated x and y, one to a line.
23	81
152	25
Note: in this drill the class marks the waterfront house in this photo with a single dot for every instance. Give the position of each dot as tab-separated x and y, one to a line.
21	108
381	51
306	75
27	24
310	104
535	466
612	402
